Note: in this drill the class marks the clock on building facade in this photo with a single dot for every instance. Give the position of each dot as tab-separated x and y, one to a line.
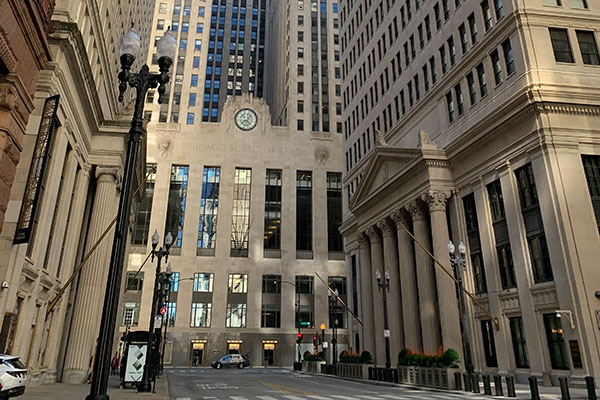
246	119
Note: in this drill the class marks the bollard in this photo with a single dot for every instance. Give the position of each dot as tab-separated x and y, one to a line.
458	380
475	378
510	386
371	373
498	385
533	387
564	388
468	383
396	378
487	387
591	387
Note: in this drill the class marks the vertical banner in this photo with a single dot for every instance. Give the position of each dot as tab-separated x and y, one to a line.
35	179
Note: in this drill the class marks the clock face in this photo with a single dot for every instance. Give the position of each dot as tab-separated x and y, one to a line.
246	119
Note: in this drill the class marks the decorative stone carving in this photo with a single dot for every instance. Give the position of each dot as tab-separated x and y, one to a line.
385	228
380	139
373	234
107	171
425	142
399	219
436	199
415	210
8	97
321	154
363	240
165	146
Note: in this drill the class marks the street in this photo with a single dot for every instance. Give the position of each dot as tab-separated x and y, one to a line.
282	384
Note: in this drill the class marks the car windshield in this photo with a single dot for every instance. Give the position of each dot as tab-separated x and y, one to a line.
15	363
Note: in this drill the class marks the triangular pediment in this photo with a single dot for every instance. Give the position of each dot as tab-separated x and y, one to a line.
385	163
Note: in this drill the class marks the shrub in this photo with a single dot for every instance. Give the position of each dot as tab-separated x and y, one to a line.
450	358
447	359
366	357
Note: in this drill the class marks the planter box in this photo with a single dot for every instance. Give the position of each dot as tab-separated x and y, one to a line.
441	378
359	371
312	366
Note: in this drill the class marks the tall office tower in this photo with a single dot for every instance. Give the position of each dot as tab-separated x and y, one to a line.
303	88
220	54
254	208
476	121
66	189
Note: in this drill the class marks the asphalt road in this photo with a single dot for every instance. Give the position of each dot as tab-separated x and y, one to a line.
282	384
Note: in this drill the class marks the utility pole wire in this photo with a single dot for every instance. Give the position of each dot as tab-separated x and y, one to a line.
77	270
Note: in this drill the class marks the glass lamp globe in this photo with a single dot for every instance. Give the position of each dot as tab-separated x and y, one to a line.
387	275
462	248
167	45
130	43
169	269
169	239
155	237
378	275
451	248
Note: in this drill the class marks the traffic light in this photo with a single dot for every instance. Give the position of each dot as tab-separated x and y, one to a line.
300	337
315	341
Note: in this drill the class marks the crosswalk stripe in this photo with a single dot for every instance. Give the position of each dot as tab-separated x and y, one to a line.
293	397
266	398
337	396
364	396
237	398
320	397
183	398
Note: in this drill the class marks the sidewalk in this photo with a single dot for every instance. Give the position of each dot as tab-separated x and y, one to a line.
61	391
522	390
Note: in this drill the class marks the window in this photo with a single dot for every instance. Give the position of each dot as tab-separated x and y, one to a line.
131	314
194	82
160	24
141	229
588	48
174	282
209	207
334	212
304	210
517	334
464	43
272	230
201	313
578	3
591	166
556	342
236	316
487	15
452	50
499	9
473	28
459	99
177	203
304	284
561	45
489	344
134	281
450	103
192	100
552	2
481	80
271	316
271	284
169	317
339	283
471	85
190	119
198	45
240	224
305	316
238	283
443	59
496	67
203	283
162	8
509	60
505	260
474	244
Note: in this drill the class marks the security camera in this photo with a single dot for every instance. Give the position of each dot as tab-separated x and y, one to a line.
597	294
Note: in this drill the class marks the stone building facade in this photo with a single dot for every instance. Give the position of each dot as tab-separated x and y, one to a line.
24	51
476	122
66	189
254	211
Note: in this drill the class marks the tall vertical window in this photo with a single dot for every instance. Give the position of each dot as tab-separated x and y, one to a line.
236	316
496	67
209	206
536	238
561	45
240	224
487	14
591	166
131	314
509	60
201	313
472	91
499	9
142	222
517	334
556	342
169	317
271	284
473	28
334	212
588	47
450	104
304	211
271	316
489	344
272	234
177	203
505	260
481	80
203	282
459	99
474	244
238	283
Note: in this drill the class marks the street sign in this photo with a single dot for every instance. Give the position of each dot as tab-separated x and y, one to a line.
386	333
304	323
325	344
158	321
163	310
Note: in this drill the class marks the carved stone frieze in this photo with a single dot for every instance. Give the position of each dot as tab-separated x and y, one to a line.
399	219
436	199
363	240
415	210
385	228
374	236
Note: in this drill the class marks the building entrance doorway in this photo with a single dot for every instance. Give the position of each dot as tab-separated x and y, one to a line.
198	352
234	346
269	348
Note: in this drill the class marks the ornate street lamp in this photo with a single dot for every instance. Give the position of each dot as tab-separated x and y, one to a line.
333	299
385	286
142	81
458	263
150	363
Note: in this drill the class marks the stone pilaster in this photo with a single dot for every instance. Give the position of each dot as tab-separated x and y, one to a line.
408	285
92	280
377	264
426	280
366	294
446	287
394	297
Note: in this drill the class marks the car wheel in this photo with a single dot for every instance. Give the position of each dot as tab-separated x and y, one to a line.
219	365
241	365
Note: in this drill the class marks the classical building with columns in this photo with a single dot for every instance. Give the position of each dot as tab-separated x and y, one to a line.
66	192
475	122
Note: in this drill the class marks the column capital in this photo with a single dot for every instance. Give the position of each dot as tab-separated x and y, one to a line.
385	228
436	199
399	219
363	240
415	210
372	233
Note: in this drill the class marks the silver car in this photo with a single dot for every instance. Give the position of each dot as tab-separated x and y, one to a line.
13	375
231	360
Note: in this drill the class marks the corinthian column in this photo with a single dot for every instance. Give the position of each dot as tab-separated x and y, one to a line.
408	285
366	294
394	302
446	287
92	280
426	280
377	264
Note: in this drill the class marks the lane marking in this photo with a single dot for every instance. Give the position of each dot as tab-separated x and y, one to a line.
293	397
320	397
266	398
